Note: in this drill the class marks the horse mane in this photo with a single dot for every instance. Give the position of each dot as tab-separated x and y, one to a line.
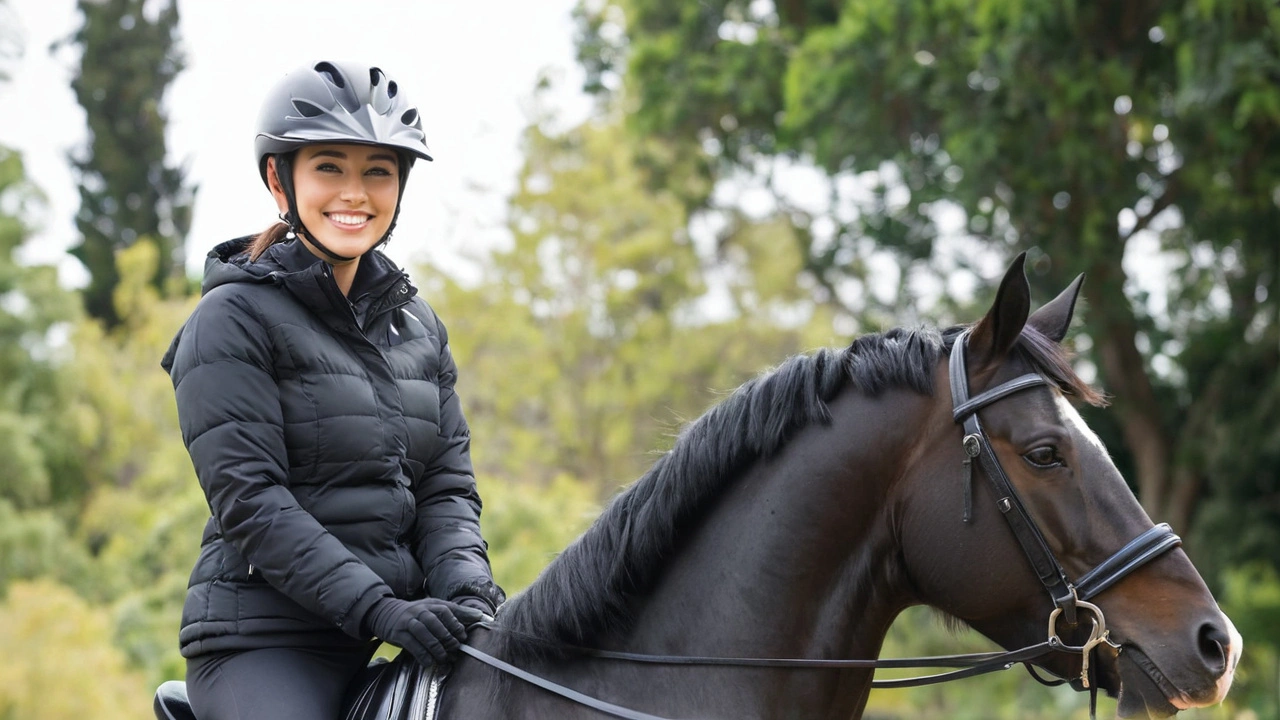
587	591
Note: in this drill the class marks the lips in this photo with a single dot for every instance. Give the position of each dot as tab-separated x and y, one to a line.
1145	691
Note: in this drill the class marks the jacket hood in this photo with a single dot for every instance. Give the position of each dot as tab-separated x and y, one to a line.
229	262
291	265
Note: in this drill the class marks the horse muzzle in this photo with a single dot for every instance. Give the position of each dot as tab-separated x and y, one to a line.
1201	679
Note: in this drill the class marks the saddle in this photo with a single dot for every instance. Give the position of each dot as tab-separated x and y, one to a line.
400	689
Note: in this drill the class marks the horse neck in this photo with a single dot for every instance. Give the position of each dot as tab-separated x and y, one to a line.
798	559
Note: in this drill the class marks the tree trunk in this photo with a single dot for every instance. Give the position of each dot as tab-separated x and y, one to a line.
1124	377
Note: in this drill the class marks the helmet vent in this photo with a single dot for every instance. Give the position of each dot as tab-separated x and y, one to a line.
392	88
375	76
335	76
410	116
306	108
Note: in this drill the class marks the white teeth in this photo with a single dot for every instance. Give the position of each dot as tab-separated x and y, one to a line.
343	219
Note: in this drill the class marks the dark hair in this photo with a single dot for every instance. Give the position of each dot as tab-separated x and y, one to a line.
276	232
266	239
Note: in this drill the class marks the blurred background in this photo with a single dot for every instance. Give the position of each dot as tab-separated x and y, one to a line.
638	205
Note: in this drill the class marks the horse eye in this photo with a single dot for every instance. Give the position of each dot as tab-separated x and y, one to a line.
1044	457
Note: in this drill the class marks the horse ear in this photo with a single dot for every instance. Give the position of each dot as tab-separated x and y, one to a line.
995	334
1053	319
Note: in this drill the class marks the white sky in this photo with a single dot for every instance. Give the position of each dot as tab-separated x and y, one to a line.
470	67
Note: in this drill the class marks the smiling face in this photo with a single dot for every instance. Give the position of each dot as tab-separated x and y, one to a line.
346	195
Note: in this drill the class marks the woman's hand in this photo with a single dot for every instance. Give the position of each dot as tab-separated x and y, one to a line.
430	629
475	602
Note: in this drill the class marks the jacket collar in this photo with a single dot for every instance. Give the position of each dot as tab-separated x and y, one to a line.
379	283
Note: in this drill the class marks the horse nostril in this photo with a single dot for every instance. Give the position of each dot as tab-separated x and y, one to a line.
1213	642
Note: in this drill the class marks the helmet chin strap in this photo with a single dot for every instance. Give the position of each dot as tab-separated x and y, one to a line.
284	173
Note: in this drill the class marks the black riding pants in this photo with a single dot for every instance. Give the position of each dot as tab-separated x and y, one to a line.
273	683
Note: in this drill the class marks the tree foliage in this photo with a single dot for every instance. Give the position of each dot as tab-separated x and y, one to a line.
586	332
60	663
1113	138
129	191
34	313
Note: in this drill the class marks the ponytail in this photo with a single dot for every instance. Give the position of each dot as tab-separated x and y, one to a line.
266	239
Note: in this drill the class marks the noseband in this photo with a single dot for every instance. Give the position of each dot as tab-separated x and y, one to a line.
1067	596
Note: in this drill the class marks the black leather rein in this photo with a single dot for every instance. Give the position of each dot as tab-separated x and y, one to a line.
1065	594
970	665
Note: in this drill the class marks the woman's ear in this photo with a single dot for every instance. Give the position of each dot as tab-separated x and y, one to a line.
273	183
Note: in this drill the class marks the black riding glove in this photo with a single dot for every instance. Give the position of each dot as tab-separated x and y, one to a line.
430	629
477	603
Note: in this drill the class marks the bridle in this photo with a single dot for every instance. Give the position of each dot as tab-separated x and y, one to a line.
1068	597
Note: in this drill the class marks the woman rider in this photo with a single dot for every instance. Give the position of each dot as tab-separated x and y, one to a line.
316	397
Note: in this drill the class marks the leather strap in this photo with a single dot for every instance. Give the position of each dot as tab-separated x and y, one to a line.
1015	385
1028	534
1141	550
568	693
971	665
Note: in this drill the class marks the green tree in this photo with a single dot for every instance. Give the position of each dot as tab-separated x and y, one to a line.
60	663
40	486
526	524
143	511
584	344
128	192
34	313
1101	137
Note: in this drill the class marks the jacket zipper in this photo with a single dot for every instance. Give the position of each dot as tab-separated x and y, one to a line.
403	288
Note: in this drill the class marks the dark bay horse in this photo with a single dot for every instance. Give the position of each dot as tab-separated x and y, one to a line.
800	516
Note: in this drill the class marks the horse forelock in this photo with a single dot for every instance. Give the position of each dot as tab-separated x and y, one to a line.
1053	360
587	592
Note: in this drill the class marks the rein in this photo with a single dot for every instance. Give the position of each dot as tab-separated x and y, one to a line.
1068	598
971	664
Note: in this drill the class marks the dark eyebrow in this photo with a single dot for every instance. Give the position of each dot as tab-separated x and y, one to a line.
343	156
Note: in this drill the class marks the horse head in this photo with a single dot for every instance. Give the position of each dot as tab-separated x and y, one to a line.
1168	646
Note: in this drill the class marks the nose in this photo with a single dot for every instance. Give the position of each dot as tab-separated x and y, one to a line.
354	191
1218	647
1213	642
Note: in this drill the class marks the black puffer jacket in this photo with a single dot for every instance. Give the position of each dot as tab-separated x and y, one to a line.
331	447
